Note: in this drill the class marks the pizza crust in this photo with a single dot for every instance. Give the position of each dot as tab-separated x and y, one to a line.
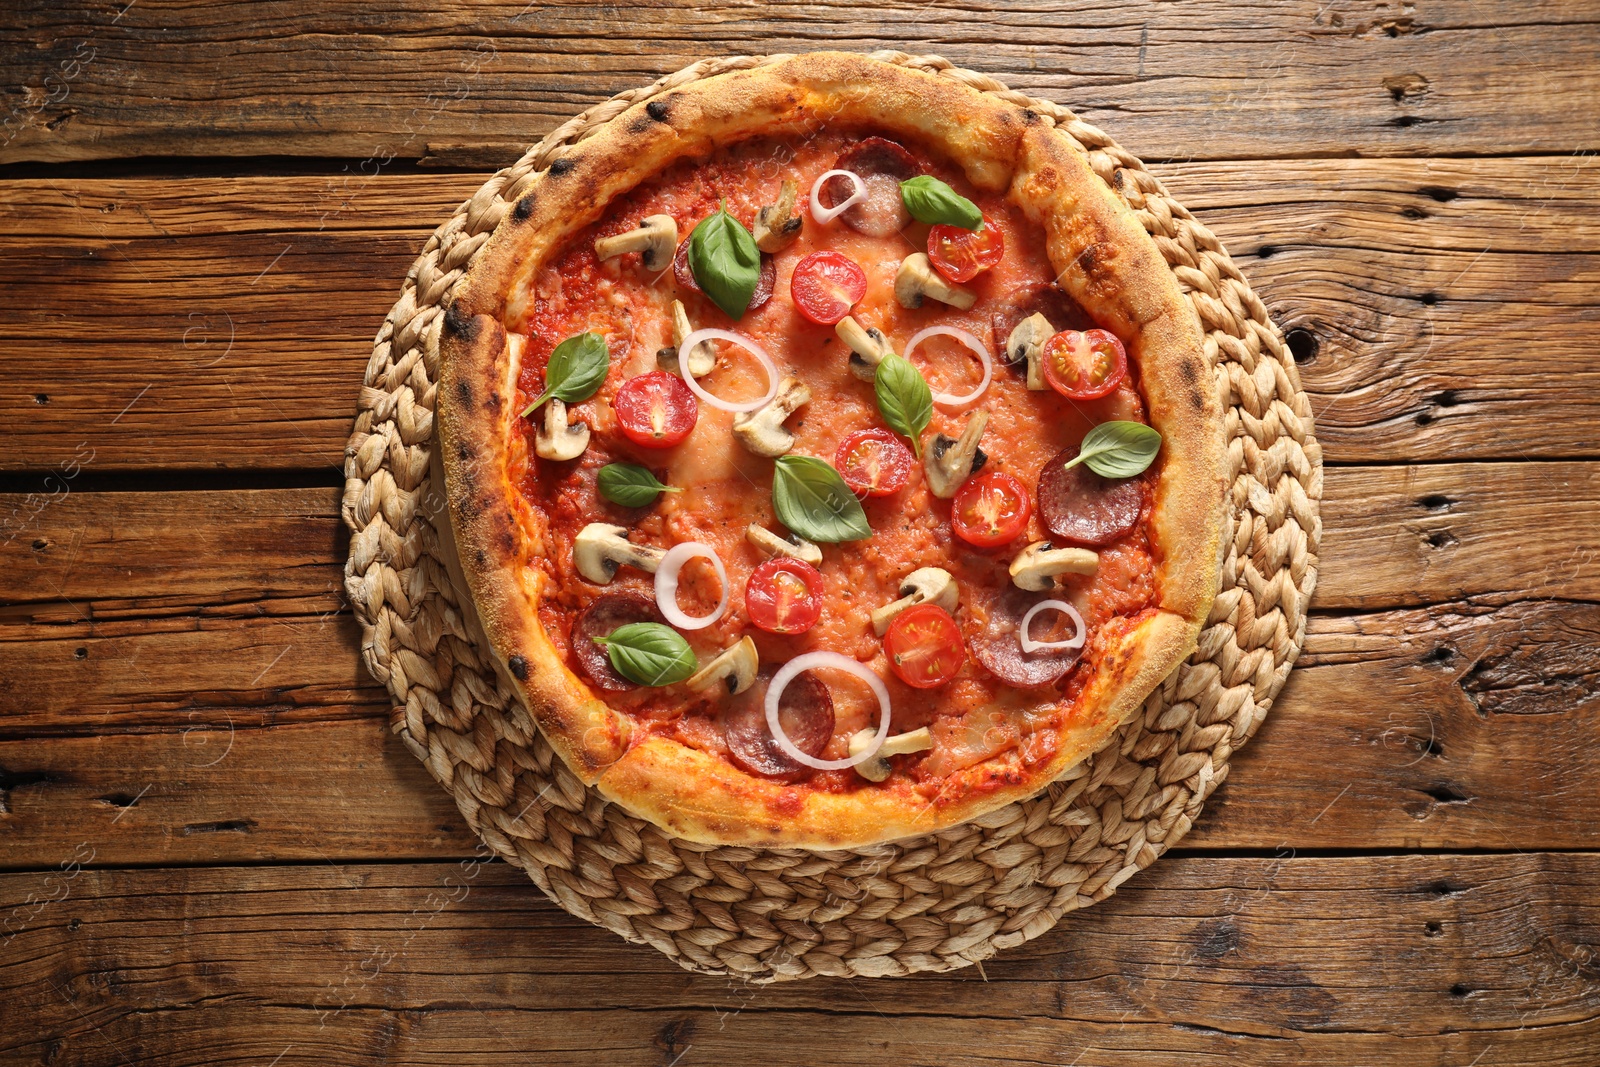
1107	263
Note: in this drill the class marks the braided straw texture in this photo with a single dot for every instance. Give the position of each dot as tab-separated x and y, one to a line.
930	904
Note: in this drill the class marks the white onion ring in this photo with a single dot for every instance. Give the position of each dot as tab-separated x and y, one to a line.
743	342
978	348
789	671
667	585
826	215
1030	645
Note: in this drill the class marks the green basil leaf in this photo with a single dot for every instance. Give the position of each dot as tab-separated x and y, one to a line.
1118	449
904	398
630	485
725	262
649	653
932	201
813	501
576	370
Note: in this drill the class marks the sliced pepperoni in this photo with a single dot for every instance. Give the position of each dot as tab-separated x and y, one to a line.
1044	298
882	165
598	620
764	281
805	713
1079	505
998	645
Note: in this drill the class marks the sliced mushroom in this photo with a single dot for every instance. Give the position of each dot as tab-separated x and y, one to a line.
701	360
867	347
762	430
793	547
916	280
926	585
1036	566
601	548
735	667
777	224
949	461
557	439
655	239
1027	342
877	768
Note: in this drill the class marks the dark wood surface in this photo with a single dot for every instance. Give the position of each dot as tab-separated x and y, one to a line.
213	851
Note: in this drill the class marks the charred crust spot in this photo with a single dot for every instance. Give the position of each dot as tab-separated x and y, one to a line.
640	124
463	452
1188	372
658	109
464	394
523	210
519	667
562	167
1030	116
1197	399
481	557
458	322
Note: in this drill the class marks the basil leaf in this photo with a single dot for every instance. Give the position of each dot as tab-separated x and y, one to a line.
649	653
725	261
813	501
1118	449
576	370
932	201
630	485
904	398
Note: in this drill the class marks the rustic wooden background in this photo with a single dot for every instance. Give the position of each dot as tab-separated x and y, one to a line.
211	849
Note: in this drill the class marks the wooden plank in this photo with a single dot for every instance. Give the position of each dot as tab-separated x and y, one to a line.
1391	272
212	792
1453	727
1205	80
1392	536
1410	960
1429	723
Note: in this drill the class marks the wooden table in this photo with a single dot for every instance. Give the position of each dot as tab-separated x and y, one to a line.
213	849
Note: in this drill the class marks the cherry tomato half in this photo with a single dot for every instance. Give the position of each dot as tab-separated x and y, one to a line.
873	462
962	255
990	509
656	410
1086	365
924	646
826	285
784	596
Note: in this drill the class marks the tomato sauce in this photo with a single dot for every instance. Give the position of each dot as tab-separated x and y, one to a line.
725	487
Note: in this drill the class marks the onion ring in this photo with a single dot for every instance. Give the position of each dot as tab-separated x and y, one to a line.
688	345
1030	645
667	585
825	215
788	672
978	349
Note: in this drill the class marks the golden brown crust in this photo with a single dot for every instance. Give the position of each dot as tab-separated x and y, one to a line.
1106	262
493	544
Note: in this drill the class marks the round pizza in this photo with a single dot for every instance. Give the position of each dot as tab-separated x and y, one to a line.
831	456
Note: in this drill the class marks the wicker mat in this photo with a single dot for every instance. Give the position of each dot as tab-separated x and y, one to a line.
929	904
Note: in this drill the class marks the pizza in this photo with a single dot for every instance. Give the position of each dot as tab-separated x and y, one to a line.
830	455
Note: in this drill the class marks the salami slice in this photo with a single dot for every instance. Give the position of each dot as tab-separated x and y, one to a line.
598	620
1078	505
1041	298
882	165
764	281
998	646
805	713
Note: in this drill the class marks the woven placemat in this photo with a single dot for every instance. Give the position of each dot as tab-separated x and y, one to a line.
930	904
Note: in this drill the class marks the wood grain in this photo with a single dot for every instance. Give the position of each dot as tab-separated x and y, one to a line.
1418	960
233	317
438	80
1458	726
